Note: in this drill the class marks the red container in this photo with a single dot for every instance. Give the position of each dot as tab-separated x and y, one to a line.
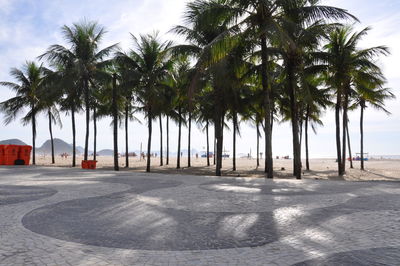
2	158
11	154
91	165
25	153
84	164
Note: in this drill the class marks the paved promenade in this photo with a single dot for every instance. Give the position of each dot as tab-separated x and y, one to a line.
59	216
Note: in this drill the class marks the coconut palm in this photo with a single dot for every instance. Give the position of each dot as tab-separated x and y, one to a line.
29	80
71	102
204	114
314	100
49	96
129	79
205	46
176	87
345	61
84	57
152	63
370	91
259	22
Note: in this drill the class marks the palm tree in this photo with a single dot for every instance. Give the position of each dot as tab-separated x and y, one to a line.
84	57
175	88
204	46
204	114
115	120
29	82
370	90
49	96
71	103
259	22
152	63
345	61
129	78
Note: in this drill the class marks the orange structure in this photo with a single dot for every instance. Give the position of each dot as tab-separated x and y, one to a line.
89	164
84	164
25	153
10	154
92	165
2	159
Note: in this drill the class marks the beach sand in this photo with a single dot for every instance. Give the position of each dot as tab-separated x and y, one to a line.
320	168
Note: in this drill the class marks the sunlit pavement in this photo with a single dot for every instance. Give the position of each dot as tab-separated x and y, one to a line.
56	216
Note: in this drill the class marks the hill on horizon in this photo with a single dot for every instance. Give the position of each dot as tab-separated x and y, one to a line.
106	152
12	142
60	147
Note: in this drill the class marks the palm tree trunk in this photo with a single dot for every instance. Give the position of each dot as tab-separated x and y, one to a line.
178	161
86	84
344	129
349	145
338	145
33	136
95	134
150	128
167	162
258	144
53	160
189	139
73	137
295	124
161	142
234	141
219	132
115	122
208	145
127	135
362	133
306	138
267	102
215	146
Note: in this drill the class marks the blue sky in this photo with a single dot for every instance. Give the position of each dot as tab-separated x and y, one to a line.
28	27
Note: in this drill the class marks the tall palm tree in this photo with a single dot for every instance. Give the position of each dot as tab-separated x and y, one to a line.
370	91
152	63
345	61
115	119
84	56
175	88
259	22
49	96
129	80
204	114
206	48
29	81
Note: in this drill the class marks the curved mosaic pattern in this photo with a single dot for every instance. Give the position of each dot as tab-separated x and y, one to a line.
17	194
120	220
375	256
147	219
281	188
154	215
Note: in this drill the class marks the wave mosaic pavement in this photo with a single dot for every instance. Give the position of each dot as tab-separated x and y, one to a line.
56	217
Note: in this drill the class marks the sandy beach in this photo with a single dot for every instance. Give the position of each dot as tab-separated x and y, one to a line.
320	168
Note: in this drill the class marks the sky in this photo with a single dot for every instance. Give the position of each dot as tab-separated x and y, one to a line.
28	28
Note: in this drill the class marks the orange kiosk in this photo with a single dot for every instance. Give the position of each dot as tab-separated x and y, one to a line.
2	159
11	153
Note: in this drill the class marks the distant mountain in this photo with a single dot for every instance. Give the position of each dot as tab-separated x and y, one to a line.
12	142
79	149
106	152
60	147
